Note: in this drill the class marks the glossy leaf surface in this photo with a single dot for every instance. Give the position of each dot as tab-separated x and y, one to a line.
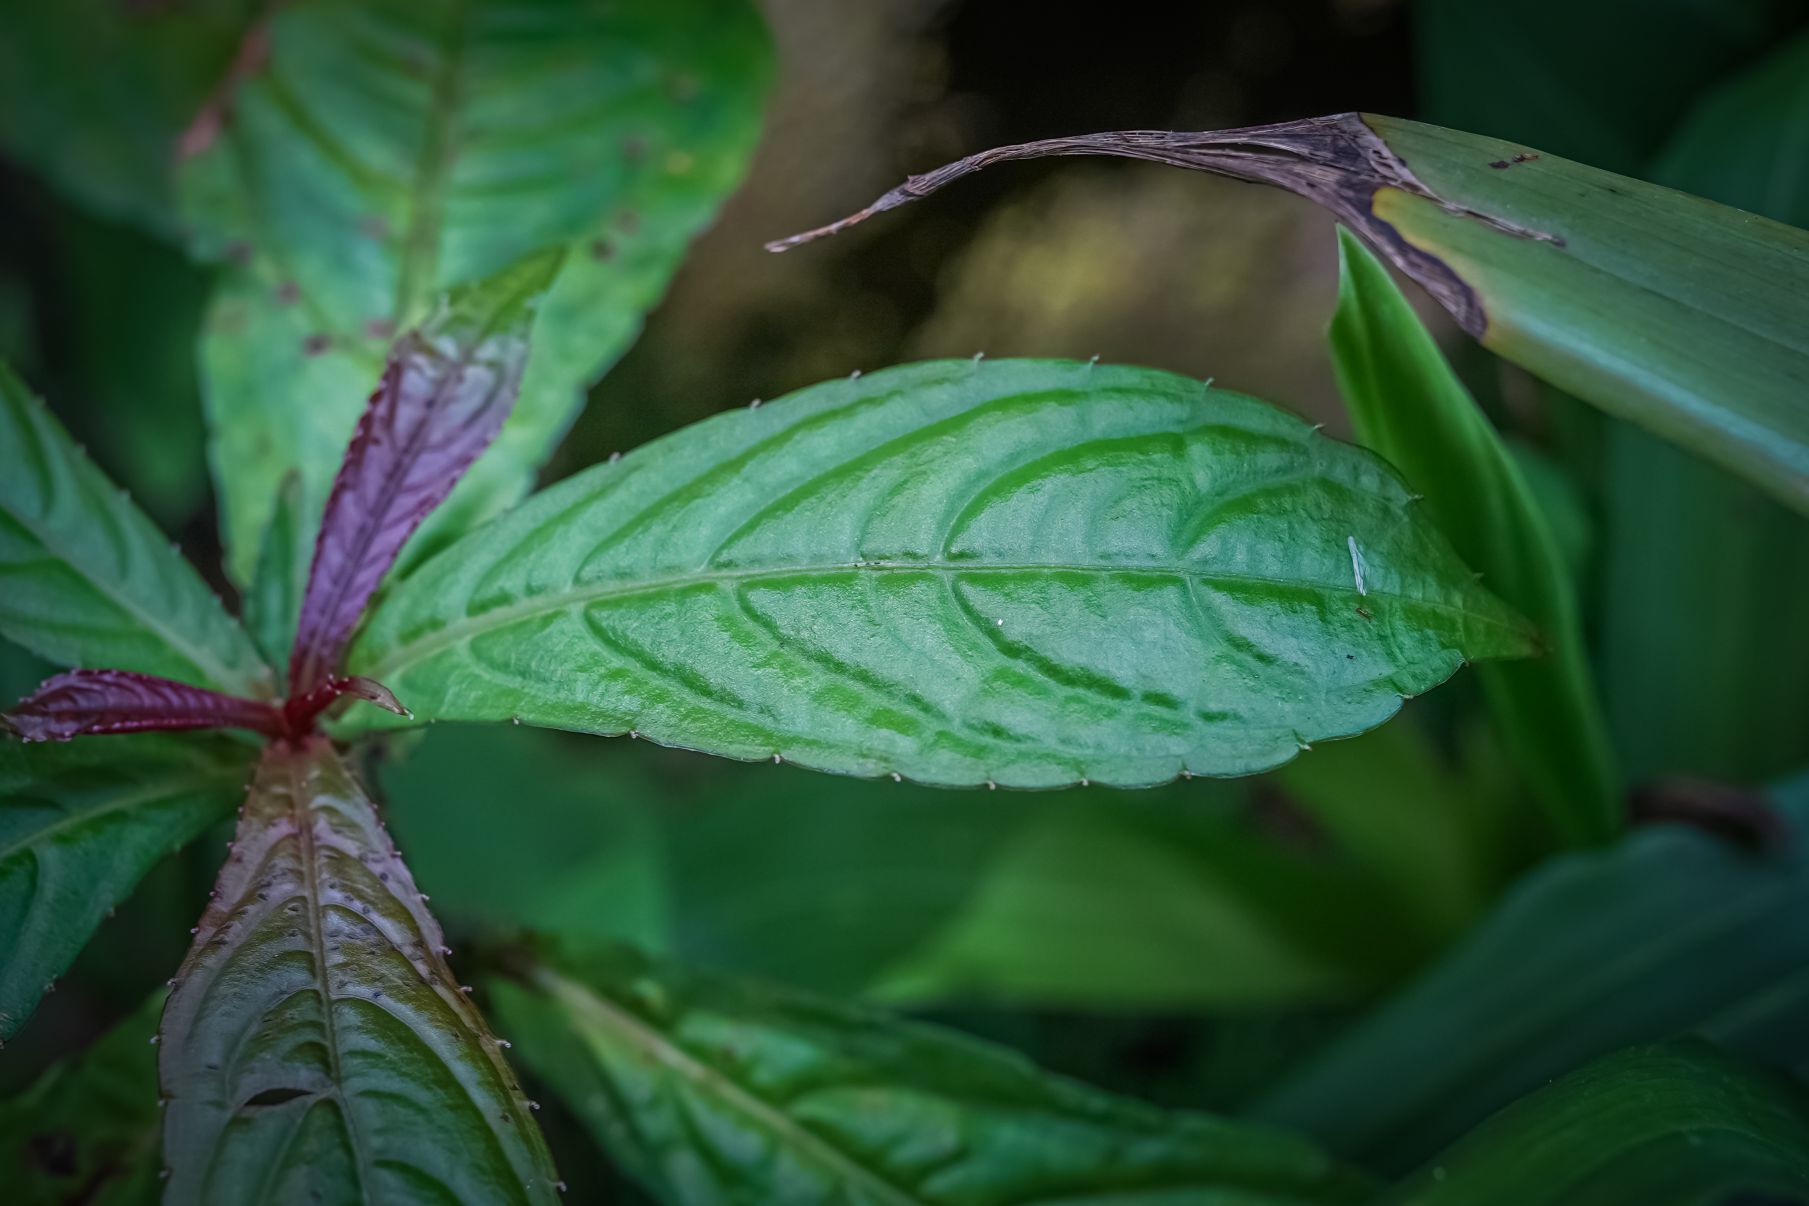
87	580
379	154
445	393
316	1046
86	1130
1678	1125
1408	405
1029	572
80	824
1681	315
1671	931
712	1090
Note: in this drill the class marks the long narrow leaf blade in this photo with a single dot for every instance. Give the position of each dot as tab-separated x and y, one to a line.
1708	670
1677	1125
80	824
342	192
709	1090
1671	931
445	393
1687	317
82	702
1408	405
1033	573
316	1045
87	580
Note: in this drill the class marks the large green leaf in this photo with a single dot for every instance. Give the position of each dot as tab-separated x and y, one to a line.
80	824
1100	899
1677	1125
1704	652
386	152
711	1090
95	94
1026	572
316	1046
86	1130
1687	317
1408	405
87	580
1671	931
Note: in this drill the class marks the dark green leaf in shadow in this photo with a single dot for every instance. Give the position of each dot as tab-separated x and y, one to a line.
382	153
88	580
1675	1125
1392	805
86	1130
1705	655
712	1090
95	94
1408	405
80	824
1034	573
1099	900
272	599
1671	931
316	1046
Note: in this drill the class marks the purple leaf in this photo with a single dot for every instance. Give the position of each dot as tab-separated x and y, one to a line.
445	392
122	701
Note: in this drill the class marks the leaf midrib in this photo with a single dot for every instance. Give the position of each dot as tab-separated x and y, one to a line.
656	1046
420	256
502	617
302	816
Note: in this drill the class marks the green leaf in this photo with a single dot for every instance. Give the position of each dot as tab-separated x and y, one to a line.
1705	657
1669	932
315	1044
88	580
95	94
1028	572
80	824
387	152
1684	316
1677	1125
1408	405
709	1090
273	599
86	1130
893	890
1390	804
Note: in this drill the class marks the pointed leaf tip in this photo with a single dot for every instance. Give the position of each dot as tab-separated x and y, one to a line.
444	395
83	702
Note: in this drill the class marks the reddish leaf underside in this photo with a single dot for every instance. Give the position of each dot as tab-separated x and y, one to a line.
436	409
82	702
445	393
